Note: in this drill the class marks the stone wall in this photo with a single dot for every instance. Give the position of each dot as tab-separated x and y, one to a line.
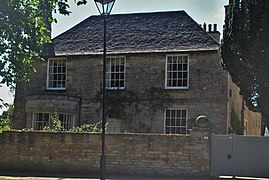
141	105
79	153
252	120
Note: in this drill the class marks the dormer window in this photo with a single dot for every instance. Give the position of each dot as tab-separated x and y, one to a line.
56	75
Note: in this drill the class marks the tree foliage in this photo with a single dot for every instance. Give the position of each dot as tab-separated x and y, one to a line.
245	51
24	28
6	118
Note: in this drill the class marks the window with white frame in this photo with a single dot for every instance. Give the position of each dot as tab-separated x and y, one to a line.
176	121
67	121
115	72
41	120
56	76
177	72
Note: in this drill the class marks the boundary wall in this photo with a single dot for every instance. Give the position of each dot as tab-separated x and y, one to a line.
127	154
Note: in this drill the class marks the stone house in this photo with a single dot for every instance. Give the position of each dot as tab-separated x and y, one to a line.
163	71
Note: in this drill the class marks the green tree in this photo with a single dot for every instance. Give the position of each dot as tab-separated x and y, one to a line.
6	118
24	29
245	52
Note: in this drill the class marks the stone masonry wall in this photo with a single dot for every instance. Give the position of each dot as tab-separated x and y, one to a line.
252	120
79	153
141	105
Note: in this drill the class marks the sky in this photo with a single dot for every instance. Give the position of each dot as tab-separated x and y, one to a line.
208	11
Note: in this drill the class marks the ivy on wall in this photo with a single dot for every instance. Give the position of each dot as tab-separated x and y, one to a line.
236	125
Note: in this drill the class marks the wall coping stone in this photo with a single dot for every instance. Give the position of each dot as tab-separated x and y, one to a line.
107	134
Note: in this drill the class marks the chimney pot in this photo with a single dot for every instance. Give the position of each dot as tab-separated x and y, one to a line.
204	26
209	27
215	27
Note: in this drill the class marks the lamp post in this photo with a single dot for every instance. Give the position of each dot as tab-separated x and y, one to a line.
104	7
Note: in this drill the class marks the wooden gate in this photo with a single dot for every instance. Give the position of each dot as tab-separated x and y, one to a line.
233	155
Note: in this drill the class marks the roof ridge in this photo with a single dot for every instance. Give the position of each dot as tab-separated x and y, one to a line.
145	13
129	14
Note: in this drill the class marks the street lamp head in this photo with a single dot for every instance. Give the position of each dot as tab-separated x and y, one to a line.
104	6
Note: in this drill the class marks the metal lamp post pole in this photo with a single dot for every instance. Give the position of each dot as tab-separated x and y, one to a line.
103	155
104	7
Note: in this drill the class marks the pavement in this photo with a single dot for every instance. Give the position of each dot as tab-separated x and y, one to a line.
17	177
108	178
33	175
117	178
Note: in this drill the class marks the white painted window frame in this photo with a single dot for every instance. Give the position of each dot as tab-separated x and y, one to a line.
33	119
188	71
72	124
176	109
47	81
108	77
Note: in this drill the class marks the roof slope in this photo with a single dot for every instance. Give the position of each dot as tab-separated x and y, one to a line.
135	33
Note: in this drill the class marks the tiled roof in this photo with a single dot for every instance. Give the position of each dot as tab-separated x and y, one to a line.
172	31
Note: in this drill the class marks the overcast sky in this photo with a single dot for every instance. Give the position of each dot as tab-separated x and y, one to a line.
209	11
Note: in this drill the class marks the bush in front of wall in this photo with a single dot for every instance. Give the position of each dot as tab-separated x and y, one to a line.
236	125
87	128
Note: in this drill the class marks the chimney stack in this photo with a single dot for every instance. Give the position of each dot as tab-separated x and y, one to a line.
215	34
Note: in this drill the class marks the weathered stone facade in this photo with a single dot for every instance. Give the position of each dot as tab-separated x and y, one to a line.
250	120
141	105
79	153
